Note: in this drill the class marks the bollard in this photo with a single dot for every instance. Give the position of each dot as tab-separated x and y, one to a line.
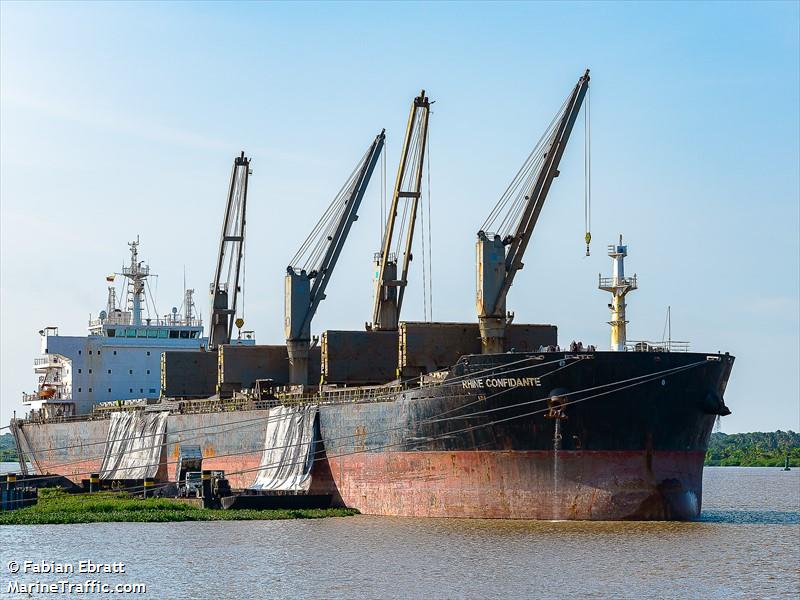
11	495
94	482
206	481
149	483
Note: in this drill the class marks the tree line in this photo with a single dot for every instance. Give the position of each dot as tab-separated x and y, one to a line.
8	450
756	449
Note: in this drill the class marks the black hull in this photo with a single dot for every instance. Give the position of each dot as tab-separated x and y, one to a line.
550	435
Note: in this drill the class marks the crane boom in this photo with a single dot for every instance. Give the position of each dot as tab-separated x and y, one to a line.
499	259
317	258
389	290
224	292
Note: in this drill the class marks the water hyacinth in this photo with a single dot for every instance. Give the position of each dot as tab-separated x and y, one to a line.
58	507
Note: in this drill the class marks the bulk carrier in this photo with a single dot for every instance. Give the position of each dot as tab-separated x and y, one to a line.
489	419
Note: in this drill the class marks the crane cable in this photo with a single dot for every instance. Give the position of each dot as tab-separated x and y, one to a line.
430	243
642	379
311	253
269	418
432	419
455	381
424	252
382	224
587	172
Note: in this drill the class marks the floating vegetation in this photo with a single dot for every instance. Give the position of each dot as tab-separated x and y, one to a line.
58	507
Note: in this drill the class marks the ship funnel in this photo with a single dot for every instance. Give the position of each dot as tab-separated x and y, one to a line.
618	286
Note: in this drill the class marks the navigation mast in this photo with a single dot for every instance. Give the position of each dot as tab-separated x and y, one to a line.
224	292
137	273
389	290
500	257
618	286
317	258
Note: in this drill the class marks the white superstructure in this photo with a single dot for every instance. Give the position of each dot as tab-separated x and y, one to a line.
120	359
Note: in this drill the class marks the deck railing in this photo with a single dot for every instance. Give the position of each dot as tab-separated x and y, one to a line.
661	346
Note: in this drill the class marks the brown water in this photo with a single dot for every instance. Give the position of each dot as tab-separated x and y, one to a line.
747	545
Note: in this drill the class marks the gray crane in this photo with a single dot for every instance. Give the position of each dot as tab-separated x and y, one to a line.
312	267
389	290
500	254
225	287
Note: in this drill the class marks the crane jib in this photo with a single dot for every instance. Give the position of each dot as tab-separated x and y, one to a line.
389	284
538	193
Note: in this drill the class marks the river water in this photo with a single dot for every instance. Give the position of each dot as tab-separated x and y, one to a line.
746	545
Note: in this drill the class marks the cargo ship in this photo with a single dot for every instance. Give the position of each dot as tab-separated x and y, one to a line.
490	419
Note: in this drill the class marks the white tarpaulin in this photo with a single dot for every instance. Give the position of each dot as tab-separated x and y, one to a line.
288	450
134	445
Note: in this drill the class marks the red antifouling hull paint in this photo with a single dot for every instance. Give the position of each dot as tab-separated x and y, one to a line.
522	485
74	471
240	471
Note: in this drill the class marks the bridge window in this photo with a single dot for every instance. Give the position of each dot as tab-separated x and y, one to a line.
130	332
151	333
111	332
174	334
184	335
163	333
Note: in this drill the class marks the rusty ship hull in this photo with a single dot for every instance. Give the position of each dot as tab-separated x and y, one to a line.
569	446
601	435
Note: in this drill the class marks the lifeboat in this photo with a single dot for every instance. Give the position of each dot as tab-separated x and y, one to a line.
46	392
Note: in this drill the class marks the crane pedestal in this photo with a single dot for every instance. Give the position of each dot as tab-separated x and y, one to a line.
298	360
493	334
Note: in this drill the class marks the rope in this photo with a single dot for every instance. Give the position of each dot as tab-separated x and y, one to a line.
522	181
430	243
312	250
587	172
382	223
641	380
239	424
267	419
424	267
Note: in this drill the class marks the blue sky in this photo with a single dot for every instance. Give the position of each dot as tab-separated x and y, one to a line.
118	120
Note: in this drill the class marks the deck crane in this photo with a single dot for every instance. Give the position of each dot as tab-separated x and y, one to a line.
224	292
312	267
499	254
389	289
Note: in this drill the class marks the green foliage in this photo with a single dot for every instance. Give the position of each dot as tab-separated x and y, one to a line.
58	507
8	450
754	449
